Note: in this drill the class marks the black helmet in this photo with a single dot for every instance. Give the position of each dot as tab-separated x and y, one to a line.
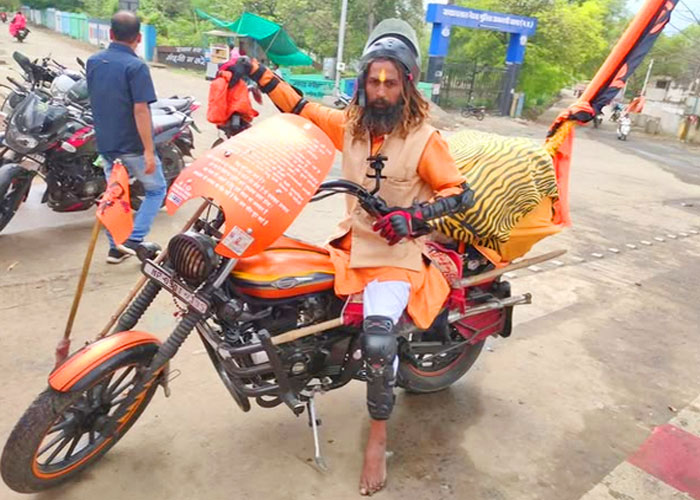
392	39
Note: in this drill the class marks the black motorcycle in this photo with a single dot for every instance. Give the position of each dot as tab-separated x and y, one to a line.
478	112
57	142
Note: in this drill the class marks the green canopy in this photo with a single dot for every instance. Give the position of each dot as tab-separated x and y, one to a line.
280	48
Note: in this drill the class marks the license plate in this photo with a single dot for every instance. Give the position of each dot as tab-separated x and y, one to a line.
166	279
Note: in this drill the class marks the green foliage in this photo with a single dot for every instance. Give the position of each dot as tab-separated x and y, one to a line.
571	41
64	5
676	56
100	9
10	5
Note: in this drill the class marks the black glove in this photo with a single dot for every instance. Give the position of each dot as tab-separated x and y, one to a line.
412	222
401	223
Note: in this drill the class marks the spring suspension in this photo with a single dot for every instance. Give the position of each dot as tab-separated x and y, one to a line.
170	347
134	312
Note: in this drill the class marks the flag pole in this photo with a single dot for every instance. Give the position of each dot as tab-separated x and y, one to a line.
63	345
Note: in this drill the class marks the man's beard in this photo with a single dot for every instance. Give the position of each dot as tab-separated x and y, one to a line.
380	117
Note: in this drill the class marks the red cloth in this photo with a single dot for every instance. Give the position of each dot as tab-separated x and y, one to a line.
224	101
19	22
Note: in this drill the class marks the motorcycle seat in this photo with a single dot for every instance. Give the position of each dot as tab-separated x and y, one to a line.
162	123
178	104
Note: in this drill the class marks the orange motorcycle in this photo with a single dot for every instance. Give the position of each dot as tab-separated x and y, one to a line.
262	303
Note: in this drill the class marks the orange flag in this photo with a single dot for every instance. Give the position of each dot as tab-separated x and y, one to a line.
114	210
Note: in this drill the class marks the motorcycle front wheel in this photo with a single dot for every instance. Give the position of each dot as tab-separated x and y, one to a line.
14	185
63	433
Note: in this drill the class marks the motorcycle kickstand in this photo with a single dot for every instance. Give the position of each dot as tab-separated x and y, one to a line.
314	423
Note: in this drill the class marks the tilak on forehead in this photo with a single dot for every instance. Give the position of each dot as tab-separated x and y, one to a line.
382	75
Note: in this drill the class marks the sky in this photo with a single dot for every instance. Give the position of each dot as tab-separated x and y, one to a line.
680	17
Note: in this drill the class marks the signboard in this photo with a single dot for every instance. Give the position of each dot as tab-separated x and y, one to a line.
261	178
182	57
481	19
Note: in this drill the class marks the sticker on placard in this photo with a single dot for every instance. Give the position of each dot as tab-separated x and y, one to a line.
238	240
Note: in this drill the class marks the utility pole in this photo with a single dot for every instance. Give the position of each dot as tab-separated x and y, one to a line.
339	65
646	78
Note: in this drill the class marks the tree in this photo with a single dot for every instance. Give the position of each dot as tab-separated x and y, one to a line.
571	41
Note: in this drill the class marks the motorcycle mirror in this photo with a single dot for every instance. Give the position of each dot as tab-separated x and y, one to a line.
80	62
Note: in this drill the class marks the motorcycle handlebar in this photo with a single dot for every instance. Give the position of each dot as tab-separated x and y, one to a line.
17	84
371	203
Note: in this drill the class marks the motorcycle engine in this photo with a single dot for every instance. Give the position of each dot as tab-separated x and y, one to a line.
73	183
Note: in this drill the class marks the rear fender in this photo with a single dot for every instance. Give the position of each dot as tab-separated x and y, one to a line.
88	364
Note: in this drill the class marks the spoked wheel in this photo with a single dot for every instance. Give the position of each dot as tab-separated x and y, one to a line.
427	372
61	434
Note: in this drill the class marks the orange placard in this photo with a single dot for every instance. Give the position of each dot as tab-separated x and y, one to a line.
262	178
114	210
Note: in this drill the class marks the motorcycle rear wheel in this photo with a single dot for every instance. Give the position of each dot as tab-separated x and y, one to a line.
437	373
63	429
13	188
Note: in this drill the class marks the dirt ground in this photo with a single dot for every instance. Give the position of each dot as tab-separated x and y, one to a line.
609	344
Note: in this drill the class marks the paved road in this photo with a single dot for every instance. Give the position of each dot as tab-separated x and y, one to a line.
679	159
609	345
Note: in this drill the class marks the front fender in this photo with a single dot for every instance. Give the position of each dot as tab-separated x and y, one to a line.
89	363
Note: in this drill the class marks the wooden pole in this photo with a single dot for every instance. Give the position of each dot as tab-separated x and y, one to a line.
64	344
306	331
489	275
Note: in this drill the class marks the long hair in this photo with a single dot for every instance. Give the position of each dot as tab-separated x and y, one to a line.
415	111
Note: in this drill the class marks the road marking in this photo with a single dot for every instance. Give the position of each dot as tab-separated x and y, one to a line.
631	246
647	243
659	238
672	455
665	467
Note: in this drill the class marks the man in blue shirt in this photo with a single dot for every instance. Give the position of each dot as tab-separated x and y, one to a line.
120	88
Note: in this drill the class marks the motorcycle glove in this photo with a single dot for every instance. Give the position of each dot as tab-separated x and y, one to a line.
412	222
256	75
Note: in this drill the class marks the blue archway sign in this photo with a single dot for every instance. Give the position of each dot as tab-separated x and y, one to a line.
444	17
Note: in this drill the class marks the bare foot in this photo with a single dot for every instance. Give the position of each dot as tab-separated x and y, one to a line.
373	475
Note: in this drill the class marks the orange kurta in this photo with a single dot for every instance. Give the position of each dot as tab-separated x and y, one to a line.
436	168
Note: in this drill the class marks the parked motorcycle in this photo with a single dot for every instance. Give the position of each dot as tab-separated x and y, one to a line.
624	128
342	101
57	142
479	112
270	322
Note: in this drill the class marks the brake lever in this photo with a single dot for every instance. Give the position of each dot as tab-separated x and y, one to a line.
373	204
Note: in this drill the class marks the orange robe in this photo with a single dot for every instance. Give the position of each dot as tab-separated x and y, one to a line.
436	167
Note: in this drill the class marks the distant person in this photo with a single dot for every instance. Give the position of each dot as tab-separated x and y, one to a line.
121	89
19	22
233	52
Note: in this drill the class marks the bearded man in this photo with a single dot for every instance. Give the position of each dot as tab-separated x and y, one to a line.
383	259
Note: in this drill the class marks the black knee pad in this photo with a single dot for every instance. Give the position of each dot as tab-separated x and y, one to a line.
379	349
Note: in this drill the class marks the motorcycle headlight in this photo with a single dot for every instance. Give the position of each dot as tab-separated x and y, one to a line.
192	256
21	143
